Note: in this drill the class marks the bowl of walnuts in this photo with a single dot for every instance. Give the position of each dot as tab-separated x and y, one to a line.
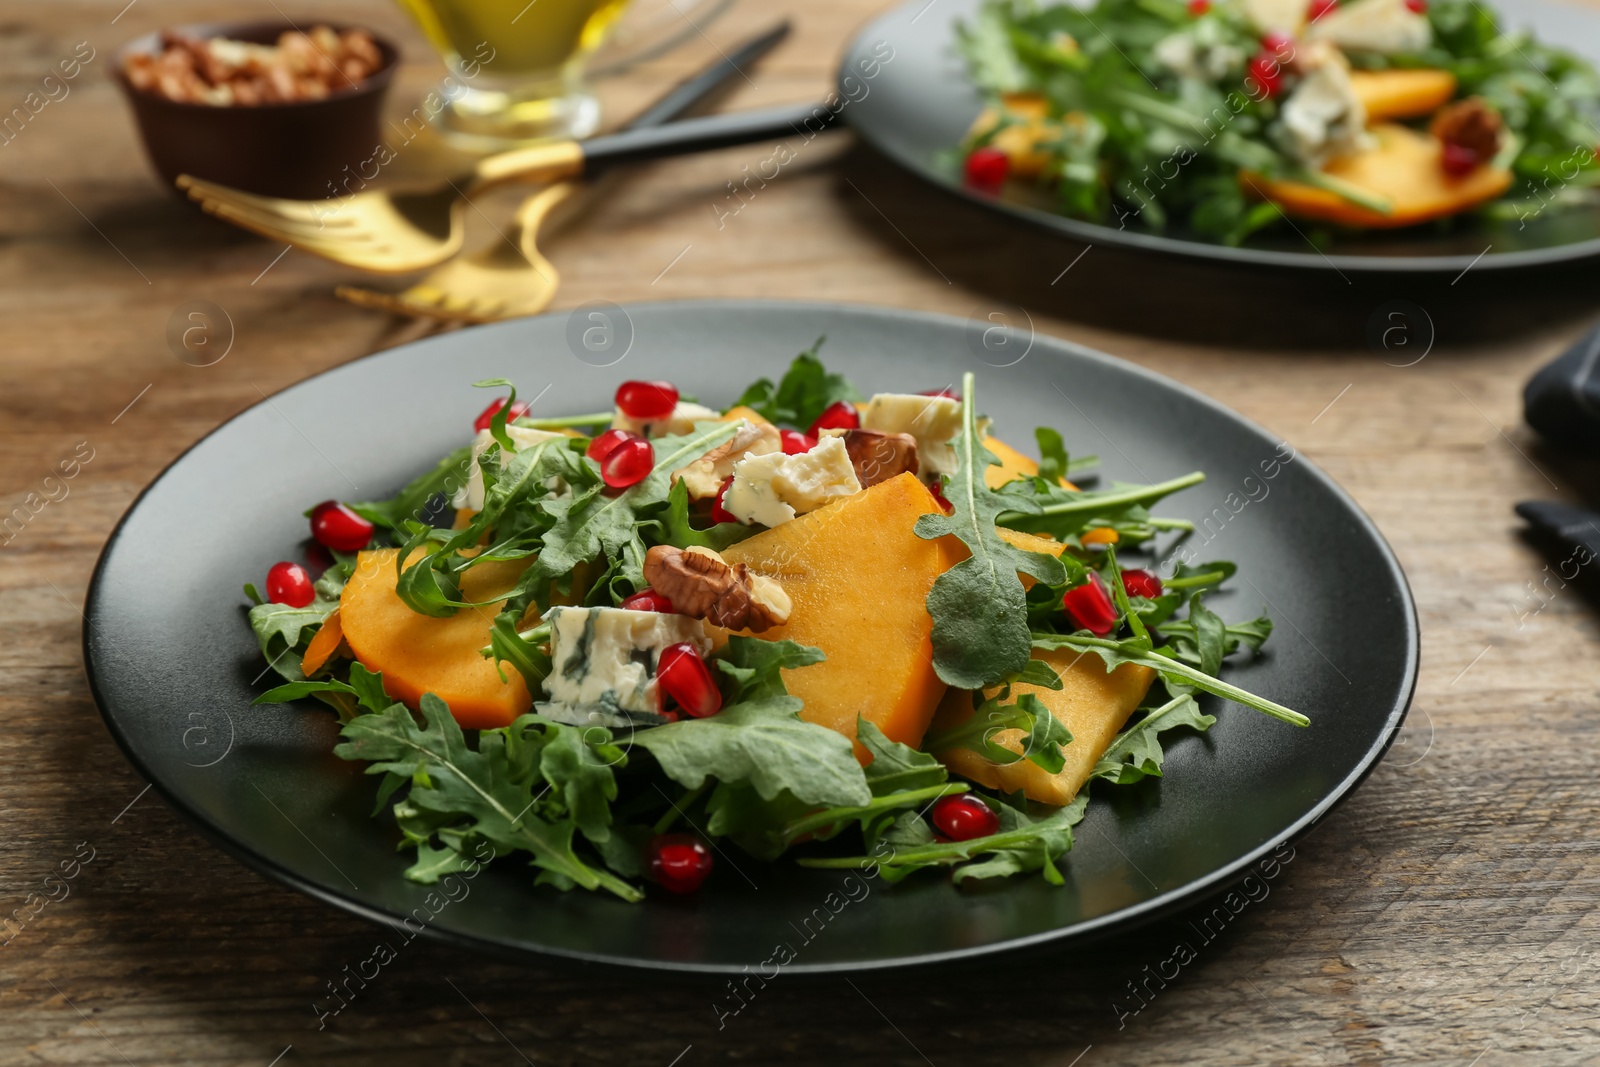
267	107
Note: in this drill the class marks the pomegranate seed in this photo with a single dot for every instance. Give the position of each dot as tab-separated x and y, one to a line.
602	445
719	512
1090	606
647	400
795	442
1417	7
1277	44
339	528
1318	8
684	676
937	489
1199	7
964	817
648	600
519	409
288	583
629	463
1141	583
986	169
839	415
679	863
1457	159
1263	69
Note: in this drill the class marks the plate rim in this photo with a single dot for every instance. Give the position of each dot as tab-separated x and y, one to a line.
1124	919
1159	244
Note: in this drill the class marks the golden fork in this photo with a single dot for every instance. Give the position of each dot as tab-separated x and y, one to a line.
501	282
392	233
512	279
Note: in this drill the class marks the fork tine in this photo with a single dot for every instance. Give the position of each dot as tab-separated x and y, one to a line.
319	211
309	230
350	253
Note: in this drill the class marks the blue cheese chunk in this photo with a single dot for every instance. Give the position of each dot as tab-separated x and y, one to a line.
1324	118
470	495
933	420
1387	27
604	662
773	488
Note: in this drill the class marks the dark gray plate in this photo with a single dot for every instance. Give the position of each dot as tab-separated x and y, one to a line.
174	667
920	103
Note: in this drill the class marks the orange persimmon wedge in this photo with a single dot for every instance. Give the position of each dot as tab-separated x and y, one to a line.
1012	465
1025	141
1402	94
324	643
1093	704
858	577
420	654
1403	168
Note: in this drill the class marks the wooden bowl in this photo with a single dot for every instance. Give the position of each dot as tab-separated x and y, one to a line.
305	149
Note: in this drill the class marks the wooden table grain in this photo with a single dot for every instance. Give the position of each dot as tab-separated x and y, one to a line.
1444	915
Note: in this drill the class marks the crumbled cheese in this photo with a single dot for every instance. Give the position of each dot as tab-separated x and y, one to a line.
933	420
684	415
704	477
470	495
1323	117
603	663
1387	27
1284	16
771	489
1199	54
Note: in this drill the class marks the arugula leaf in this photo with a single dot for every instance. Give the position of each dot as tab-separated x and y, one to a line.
365	688
281	630
1043	840
766	744
582	773
676	530
415	499
1193	576
1042	508
1136	752
1130	650
488	793
979	607
430	584
1053	462
1045	734
752	669
899	777
1251	635
895	766
806	390
591	524
1024	843
525	652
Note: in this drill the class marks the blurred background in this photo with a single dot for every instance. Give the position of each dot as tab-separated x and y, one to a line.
1444	914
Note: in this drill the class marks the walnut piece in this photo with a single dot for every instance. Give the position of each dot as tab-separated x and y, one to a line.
703	585
1470	123
704	477
878	456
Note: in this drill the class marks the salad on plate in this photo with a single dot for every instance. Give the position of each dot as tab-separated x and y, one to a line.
1229	116
849	632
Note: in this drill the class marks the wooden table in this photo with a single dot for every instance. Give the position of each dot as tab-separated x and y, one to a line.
1445	914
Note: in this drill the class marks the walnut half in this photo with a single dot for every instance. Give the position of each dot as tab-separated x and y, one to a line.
701	584
878	456
1470	123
